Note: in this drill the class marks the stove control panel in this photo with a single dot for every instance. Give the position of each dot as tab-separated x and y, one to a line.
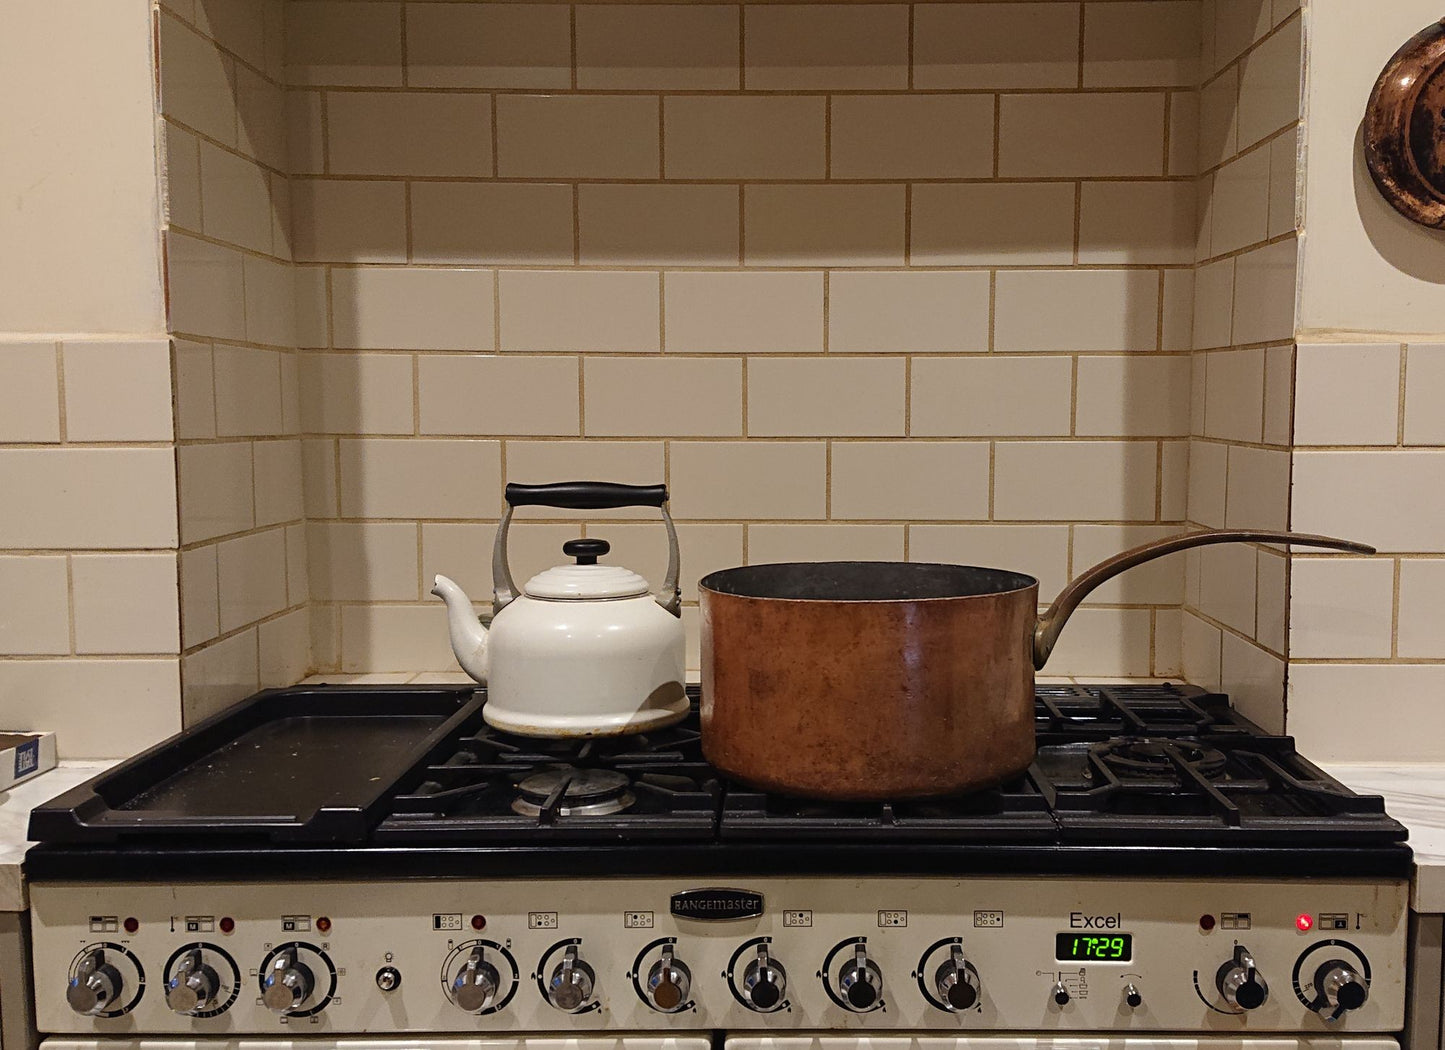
988	954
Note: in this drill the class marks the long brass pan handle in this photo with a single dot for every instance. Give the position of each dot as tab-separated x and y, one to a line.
1046	631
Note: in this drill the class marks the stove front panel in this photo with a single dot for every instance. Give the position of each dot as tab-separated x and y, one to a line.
661	955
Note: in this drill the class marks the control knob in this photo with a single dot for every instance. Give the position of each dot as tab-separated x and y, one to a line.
287	983
95	986
192	985
765	982
668	983
1061	993
570	985
957	981
475	986
1342	989
860	981
1132	998
1241	983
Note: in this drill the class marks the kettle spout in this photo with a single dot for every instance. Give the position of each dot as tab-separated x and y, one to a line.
468	636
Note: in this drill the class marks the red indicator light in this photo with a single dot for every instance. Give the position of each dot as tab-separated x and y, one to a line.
227	924
1304	923
479	922
131	925
323	924
1206	923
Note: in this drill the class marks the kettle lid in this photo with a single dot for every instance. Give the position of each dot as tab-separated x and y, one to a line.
586	580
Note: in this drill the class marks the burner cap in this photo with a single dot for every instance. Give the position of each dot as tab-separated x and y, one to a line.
1155	757
568	791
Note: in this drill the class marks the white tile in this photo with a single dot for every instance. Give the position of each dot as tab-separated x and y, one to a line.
383	478
252	575
237	25
291	393
237	201
1424	394
996	45
630	462
496	223
578	136
364	562
1208	471
1213	304
200	596
312	309
1341	607
1264	293
1283	157
1201	644
182	178
1347	395
745	136
1142	43
248	391
911	136
1234	396
462	551
734	480
918	480
488	45
819	225
215	489
356	393
1271	611
1240	207
1082	133
981	223
1269	85
205	288
1258	492
97	498
1137	222
744	312
348	220
284	649
657	225
1074	480
1158	582
544	310
1183	134
1421	631
305	144
195	82
990	396
325	637
1228	577
642	547
117	391
218	676
343	42
1168	658
318	474
826	397
788	543
1088	310
29	393
412	308
1237	24
642	397
61	695
1392	500
278	481
1042	551
408	133
1218	119
818	46
126	603
298	572
1329	722
657	46
1279	394
1173	480
35	616
503	395
1254	680
1132	396
921	311
1111	642
270	302
395	637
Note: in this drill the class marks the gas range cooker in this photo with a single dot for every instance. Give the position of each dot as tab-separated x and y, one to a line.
335	861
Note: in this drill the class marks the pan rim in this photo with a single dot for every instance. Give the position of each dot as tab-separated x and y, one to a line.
1025	582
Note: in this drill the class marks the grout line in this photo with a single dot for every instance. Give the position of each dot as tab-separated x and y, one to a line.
742	225
992	451
742	47
59	350
828	480
416	395
997	121
828	137
1074	395
325	132
496	311
406	220
496	141
1159	333
745	394
1400	410
576	224
662	313
572	32
908	222
992	306
1168	110
908	397
405	56
1078	219
1083	8
1159	484
582	396
70	598
912	62
661	137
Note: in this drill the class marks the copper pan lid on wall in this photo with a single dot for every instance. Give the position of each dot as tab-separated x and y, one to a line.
1404	129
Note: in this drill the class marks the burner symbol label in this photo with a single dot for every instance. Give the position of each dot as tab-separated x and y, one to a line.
1234	920
1334	921
717	904
892	919
200	923
797	918
446	922
987	920
104	924
637	920
295	923
541	920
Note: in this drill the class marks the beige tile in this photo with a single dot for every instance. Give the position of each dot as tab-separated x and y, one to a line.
261	119
744	137
117	391
744	312
87	498
1282	174
565	310
236	25
356	393
1264	293
126	603
408	133
1218	119
843	225
578	136
488	45
1240	211
318	478
312	309
195	82
543	462
1200	645
1081	134
278	481
911	136
991	396
1228	575
506	395
1279	396
1208	474
200	602
237	206
998	45
1421	631
921	311
1074	480
270	302
412	308
658	225
637	397
1173	480
748	480
305	145
980	224
1396	499
1341	607
60	695
325	637
29	392
1198	381
1159	582
284	649
1330	723
219	676
1041	551
204	286
826	397
1258	490
463	552
1347	395
495	223
400	479
1213	304
785	543
1424	394
298	572
1137	222
1237	24
1254	680
391	637
355	562
248	392
1142	43
183	178
1183	133
215	490
348	221
1269	85
917	480
1103	642
1178	310
642	547
1133	396
654	46
1282	9
343	42
1168	657
35	617
1088	310
1234	397
823	46
1271	610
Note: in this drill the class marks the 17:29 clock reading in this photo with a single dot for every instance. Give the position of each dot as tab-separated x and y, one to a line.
1074	947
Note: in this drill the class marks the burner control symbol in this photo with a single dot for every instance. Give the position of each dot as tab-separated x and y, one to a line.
860	981
571	983
1241	983
957	981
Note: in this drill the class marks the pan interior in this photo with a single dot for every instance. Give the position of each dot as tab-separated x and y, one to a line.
863	581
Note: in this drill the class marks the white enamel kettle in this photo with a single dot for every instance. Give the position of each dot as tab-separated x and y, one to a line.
584	649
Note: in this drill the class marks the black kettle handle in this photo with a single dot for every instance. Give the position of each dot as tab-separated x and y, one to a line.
586	495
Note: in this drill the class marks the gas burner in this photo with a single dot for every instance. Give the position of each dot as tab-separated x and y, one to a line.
1154	758
567	791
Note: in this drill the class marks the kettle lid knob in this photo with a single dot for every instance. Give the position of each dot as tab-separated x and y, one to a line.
586	551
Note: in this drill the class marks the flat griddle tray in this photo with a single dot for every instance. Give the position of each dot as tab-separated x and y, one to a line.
309	764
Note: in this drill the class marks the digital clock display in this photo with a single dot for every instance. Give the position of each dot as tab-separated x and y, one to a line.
1104	947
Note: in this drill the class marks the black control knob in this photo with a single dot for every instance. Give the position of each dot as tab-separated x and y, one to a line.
1241	983
1132	998
474	988
287	983
861	981
1061	994
586	551
388	978
192	985
1342	989
571	983
95	986
668	983
765	982
957	981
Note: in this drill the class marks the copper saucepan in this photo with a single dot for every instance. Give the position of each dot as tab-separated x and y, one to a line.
888	680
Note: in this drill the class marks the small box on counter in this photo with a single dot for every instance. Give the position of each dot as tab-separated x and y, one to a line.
23	755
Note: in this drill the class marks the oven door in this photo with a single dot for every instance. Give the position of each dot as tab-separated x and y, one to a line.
1054	1042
